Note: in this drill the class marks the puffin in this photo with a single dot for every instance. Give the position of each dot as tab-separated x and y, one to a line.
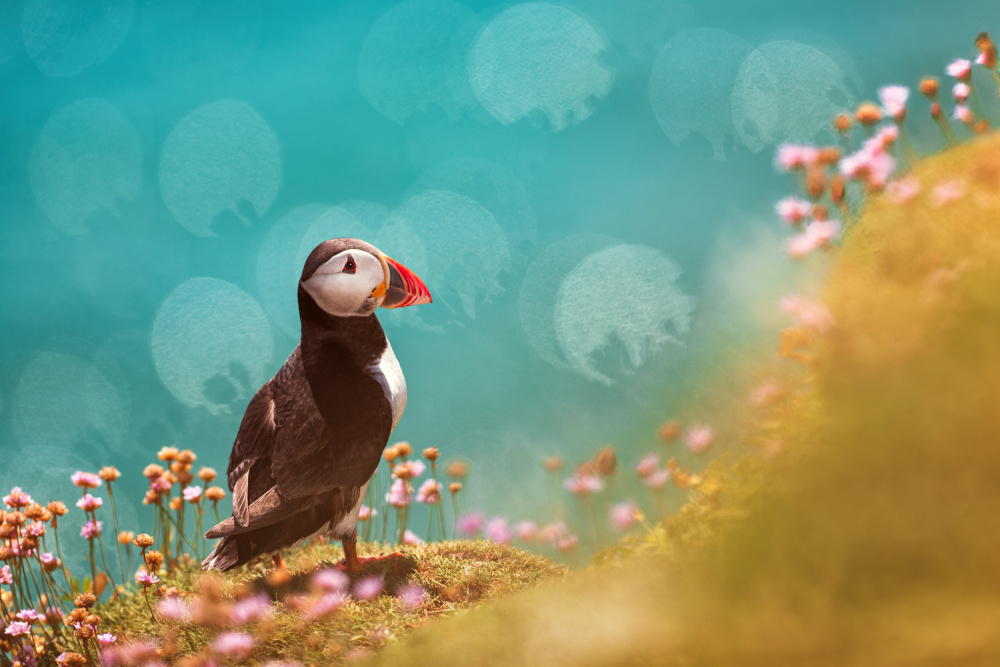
313	435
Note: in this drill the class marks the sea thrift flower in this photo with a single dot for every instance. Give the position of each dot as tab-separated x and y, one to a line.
647	465
961	69
496	529
18	628
526	531
471	524
567	543
400	493
868	114
35	529
893	100
657	480
109	473
49	562
28	615
409	470
330	580
767	393
581	485
250	609
5	576
215	493
192	494
429	492
699	438
988	51
142	540
553	463
793	210
812	315
946	192
91	529
411	538
903	190
89	503
368	588
792	157
325	604
458	469
106	639
85	480
431	453
146	578
236	645
963	114
365	513
173	609
842	123
17	498
623	516
669	431
411	595
961	91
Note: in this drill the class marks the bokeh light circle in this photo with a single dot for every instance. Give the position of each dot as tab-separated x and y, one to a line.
65	37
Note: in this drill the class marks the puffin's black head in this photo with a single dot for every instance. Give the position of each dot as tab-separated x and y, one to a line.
349	278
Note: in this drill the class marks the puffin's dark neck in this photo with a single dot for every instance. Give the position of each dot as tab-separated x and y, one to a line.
335	352
327	338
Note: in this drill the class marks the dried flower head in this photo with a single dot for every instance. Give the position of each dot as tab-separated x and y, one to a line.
404	448
36	512
85	600
187	457
167	453
153	471
17	498
929	87
842	123
215	493
838	189
71	659
391	453
85	632
458	469
93	620
431	453
154	560
455	487
553	464
176	503
14	519
142	540
606	461
109	473
987	51
868	114
207	474
125	536
669	431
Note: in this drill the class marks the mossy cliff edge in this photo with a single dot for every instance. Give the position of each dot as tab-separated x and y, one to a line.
873	537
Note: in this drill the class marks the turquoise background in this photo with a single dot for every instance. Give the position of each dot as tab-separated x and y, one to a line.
165	166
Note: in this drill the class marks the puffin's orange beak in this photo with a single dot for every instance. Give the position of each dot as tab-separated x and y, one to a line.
405	288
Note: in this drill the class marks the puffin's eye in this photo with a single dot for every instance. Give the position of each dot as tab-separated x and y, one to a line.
350	267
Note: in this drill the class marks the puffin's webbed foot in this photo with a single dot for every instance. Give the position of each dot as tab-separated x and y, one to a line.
280	574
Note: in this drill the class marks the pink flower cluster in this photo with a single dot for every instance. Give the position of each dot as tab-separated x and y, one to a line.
699	437
17	498
872	163
91	529
582	484
429	492
793	157
623	516
819	234
812	315
893	100
89	503
650	473
85	480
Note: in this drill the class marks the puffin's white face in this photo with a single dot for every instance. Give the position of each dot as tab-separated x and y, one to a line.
350	284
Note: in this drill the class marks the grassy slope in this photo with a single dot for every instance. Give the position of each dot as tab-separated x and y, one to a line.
874	537
457	575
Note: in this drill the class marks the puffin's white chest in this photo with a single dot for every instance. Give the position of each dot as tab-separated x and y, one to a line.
388	374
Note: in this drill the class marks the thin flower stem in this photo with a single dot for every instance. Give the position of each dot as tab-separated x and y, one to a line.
145	594
114	519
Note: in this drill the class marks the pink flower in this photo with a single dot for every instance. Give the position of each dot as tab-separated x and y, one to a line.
400	493
324	605
409	537
657	480
623	515
647	465
85	480
146	578
581	485
368	588
893	100
825	231
793	210
249	609
429	492
192	494
470	524
553	532
160	484
366	513
234	645
89	503
872	162
961	69
47	559
791	157
961	92
699	438
800	245
91	529
18	628
28	615
330	580
886	137
36	529
106	639
526	531
5	577
812	315
766	394
411	596
17	498
496	529
567	543
903	190
946	192
963	114
172	608
410	468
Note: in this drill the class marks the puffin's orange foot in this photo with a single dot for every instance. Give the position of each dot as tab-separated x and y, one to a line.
279	575
365	562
